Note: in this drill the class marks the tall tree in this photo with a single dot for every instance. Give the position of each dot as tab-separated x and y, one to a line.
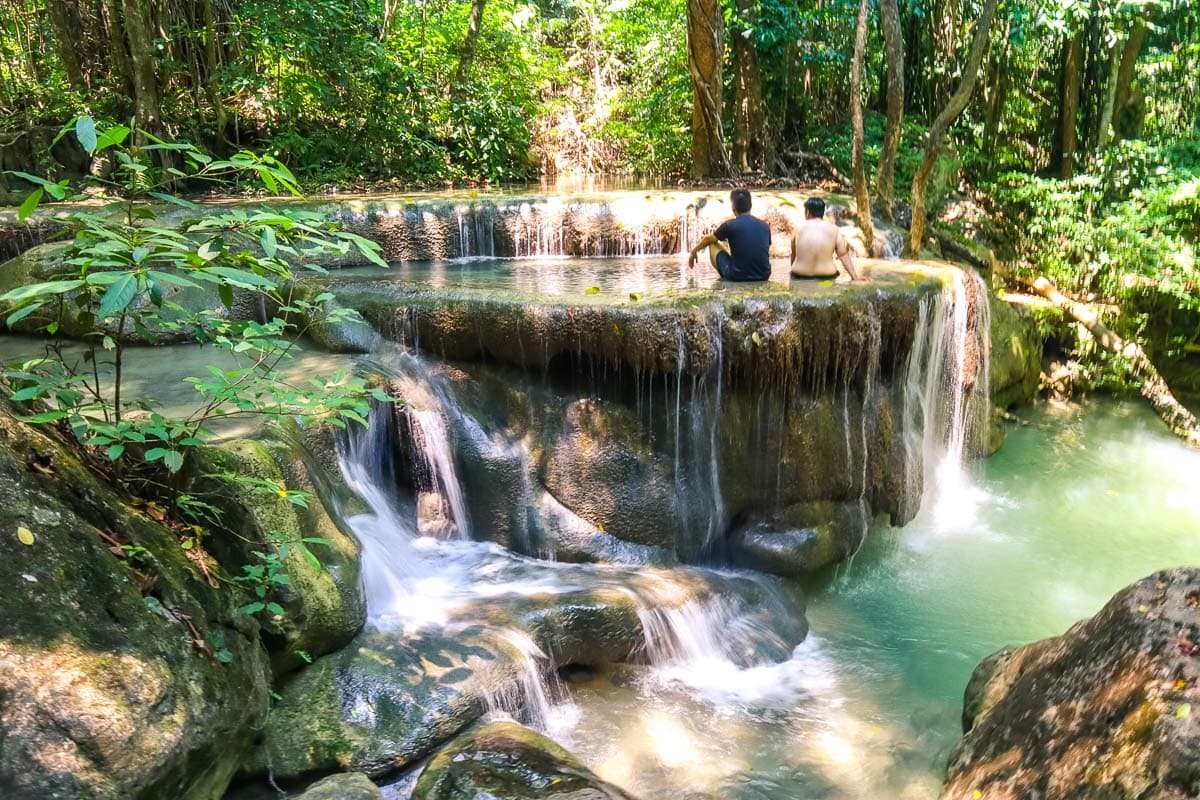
710	159
1068	120
138	30
467	54
751	137
893	39
935	139
862	195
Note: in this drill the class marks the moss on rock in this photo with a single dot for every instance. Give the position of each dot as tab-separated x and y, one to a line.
506	761
108	662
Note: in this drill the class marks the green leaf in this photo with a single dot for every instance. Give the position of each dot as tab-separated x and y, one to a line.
22	313
118	296
115	452
170	198
276	609
226	293
270	245
55	190
43	418
85	130
155	453
1184	710
30	204
39	290
252	608
174	460
111	137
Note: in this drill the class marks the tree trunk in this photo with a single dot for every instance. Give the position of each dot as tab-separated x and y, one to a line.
710	159
1068	121
1104	126
997	97
1178	418
118	47
147	110
467	54
751	137
64	20
889	13
862	196
1133	48
211	88
937	132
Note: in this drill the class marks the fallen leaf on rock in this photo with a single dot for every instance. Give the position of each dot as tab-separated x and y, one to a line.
25	536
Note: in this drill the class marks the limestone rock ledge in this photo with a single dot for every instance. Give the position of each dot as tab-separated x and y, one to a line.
1110	710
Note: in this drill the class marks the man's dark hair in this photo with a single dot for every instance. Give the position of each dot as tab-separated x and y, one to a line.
740	199
815	207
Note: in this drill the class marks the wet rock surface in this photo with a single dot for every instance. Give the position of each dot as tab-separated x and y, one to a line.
109	673
506	761
1016	355
802	539
1104	711
349	786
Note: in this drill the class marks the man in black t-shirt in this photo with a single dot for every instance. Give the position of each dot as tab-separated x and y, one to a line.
747	256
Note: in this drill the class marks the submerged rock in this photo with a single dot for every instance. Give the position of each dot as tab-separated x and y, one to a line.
348	786
506	761
123	674
802	539
1103	712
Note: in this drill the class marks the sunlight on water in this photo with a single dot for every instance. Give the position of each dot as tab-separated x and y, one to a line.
1078	504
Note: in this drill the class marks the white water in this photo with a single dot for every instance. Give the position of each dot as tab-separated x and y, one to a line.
711	647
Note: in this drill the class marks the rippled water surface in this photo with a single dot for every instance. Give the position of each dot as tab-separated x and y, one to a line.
1080	502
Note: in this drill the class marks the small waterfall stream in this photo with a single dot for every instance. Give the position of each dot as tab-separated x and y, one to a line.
726	639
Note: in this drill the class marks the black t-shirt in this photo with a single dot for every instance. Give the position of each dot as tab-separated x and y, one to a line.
750	245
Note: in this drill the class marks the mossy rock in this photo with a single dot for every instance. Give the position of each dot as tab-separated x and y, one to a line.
1016	355
347	786
506	761
46	261
324	602
122	677
801	540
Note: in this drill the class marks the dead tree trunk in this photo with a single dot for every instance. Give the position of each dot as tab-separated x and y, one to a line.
1178	418
889	13
710	159
937	132
862	195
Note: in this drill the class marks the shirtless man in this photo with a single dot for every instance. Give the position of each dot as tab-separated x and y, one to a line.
814	243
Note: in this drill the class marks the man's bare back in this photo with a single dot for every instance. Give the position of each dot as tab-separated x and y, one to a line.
816	242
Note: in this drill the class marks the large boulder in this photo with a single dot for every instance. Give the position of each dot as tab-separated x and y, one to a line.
324	600
124	673
1016	355
801	539
1103	712
506	761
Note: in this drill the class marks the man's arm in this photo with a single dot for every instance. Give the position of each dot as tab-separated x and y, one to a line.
705	243
793	261
847	258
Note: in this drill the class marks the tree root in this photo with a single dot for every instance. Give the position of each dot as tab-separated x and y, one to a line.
1178	418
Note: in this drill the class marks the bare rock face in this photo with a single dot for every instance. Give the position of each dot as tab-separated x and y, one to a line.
1109	710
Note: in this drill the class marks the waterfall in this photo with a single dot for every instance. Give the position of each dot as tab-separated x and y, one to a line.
943	404
439	457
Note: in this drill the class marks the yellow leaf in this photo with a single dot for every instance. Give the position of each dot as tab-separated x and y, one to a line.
827	283
634	296
281	492
1184	710
25	536
1143	609
615	328
592	290
756	338
978	794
